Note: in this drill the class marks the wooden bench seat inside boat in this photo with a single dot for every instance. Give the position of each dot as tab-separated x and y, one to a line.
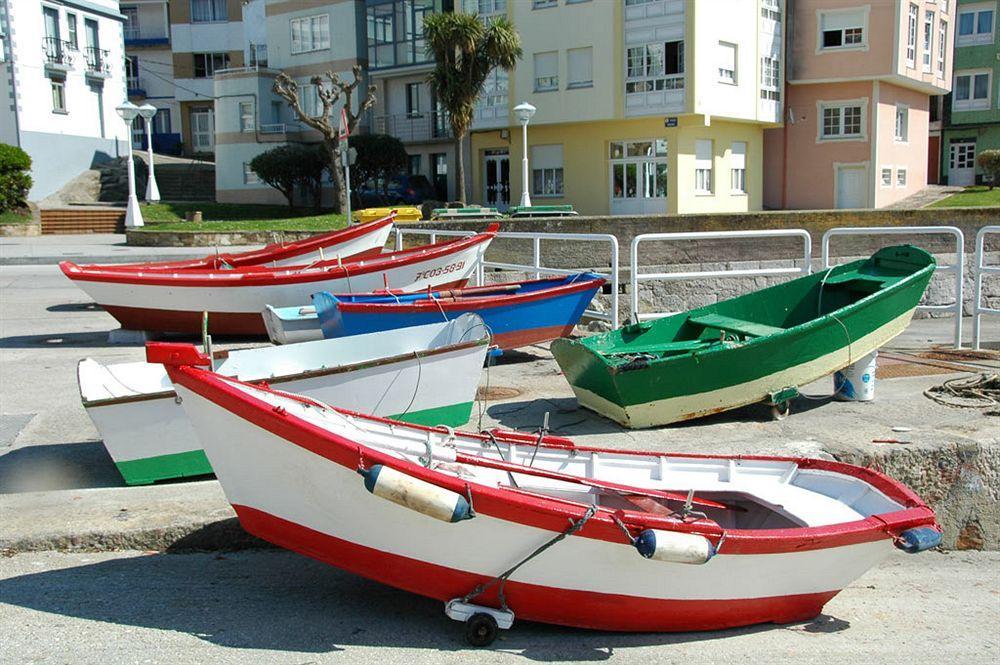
731	324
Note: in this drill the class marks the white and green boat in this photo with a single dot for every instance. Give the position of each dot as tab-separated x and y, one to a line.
425	375
758	347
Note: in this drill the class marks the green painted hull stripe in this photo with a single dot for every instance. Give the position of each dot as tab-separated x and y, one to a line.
148	470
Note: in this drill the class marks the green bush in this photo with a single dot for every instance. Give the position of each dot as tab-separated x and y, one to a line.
15	181
989	162
289	166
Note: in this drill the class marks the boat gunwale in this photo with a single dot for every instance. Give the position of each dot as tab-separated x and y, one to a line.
255	276
544	512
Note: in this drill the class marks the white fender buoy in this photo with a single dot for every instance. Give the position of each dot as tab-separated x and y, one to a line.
674	547
416	494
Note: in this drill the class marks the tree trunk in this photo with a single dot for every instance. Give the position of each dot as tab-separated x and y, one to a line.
459	170
333	150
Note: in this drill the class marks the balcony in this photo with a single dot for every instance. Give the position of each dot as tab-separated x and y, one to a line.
98	62
58	54
154	36
136	86
414	127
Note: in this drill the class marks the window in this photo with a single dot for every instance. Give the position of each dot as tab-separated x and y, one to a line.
942	45
839	121
579	67
249	177
844	29
975	24
205	64
413	99
657	66
900	177
547	170
413	164
311	33
703	166
971	90
771	10
309	100
928	40
58	96
726	54
395	32
74	42
911	37
638	173
738	168
770	78
902	122
132	72
485	7
887	176
543	4
546	71
161	121
206	11
247	123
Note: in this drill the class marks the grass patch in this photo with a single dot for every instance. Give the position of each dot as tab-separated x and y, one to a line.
235	217
977	196
15	217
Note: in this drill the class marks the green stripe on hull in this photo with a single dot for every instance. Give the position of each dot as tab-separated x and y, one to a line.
177	465
148	470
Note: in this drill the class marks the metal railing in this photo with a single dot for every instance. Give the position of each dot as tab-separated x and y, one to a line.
958	267
426	126
97	60
636	277
981	271
57	52
133	34
536	267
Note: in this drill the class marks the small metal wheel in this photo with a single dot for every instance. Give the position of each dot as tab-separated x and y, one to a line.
781	411
481	629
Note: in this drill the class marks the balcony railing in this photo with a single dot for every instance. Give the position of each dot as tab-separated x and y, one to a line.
57	52
412	127
98	61
137	36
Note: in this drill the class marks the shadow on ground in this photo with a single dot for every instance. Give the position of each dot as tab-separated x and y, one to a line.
61	466
278	600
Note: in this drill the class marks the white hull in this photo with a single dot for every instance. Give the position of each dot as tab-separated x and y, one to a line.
284	330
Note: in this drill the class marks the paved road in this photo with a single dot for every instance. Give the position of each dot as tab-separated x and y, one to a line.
276	607
93	248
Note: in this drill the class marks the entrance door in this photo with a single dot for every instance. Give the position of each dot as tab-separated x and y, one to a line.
852	187
496	181
638	177
203	130
962	164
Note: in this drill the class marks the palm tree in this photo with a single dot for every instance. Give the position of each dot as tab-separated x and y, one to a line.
466	51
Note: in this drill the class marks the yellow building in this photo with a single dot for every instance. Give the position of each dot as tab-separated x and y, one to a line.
643	106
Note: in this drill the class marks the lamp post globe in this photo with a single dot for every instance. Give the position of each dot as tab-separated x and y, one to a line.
523	112
148	112
133	216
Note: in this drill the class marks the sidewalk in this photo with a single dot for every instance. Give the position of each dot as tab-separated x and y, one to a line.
94	248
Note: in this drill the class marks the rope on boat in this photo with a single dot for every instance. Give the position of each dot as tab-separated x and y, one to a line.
972	392
503	577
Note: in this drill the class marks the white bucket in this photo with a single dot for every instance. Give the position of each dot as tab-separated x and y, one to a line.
856	382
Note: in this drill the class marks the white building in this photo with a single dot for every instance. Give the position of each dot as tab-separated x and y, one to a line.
149	70
63	76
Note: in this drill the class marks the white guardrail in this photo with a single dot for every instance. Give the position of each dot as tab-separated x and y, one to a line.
536	267
636	277
981	271
958	267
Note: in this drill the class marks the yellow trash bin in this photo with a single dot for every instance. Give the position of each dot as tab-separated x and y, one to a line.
403	214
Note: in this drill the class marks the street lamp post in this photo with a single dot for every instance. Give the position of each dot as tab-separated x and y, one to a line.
133	216
523	112
148	112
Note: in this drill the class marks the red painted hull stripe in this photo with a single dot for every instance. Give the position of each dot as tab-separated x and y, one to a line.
519	338
551	513
581	609
258	276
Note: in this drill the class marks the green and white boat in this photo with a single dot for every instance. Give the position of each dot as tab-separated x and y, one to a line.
758	347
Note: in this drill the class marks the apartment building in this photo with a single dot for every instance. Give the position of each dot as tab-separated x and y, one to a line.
971	114
149	72
303	38
63	76
860	77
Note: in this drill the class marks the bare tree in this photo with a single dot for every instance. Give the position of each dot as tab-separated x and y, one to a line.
330	89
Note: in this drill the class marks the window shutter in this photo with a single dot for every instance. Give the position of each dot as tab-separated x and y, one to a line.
579	64
703	154
727	57
547	157
843	20
738	157
546	64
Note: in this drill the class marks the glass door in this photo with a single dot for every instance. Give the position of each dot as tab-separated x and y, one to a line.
203	130
638	177
496	180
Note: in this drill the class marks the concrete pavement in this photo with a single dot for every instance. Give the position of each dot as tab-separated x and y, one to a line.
93	248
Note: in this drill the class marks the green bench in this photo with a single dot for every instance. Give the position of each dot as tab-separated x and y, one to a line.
734	325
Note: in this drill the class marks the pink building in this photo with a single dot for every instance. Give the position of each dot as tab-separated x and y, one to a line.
857	98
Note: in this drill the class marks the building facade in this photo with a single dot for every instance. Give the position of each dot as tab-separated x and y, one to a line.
149	71
860	78
971	113
63	76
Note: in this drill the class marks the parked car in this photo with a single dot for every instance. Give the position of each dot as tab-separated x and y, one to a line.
409	189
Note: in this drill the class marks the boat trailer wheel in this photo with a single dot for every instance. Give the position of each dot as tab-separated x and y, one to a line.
781	410
481	629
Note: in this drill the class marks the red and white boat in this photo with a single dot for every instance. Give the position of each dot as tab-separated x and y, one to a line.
636	541
351	244
173	301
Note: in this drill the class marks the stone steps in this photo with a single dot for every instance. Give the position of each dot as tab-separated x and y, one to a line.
183	182
82	220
